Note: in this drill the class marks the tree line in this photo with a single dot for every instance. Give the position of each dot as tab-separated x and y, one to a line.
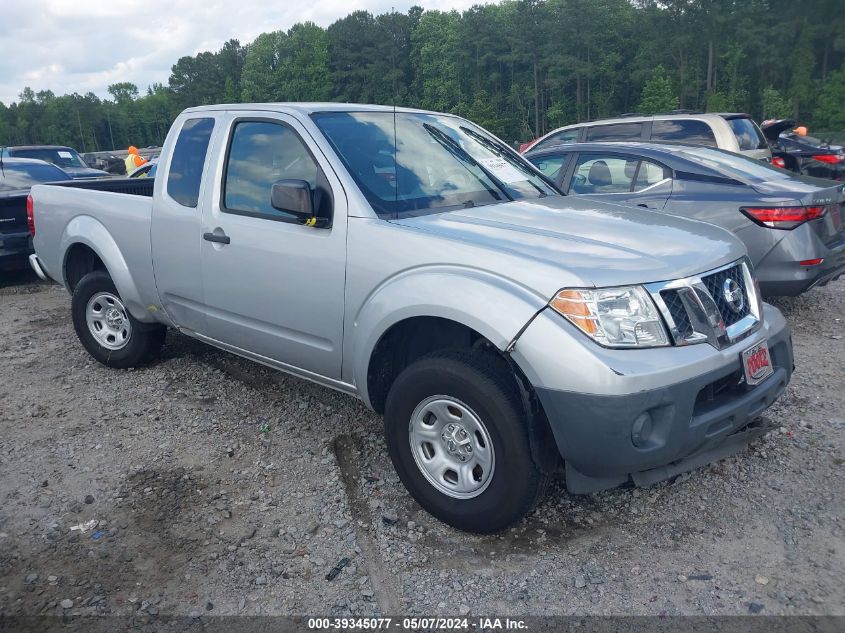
519	68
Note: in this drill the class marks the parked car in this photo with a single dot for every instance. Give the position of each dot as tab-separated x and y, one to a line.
791	224
147	170
67	158
17	175
803	154
734	132
415	261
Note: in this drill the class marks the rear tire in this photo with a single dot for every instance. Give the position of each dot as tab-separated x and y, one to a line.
457	434
106	328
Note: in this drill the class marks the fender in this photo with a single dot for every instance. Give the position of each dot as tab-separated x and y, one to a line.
495	307
84	229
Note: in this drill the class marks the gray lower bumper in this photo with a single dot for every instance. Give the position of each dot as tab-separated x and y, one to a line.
690	423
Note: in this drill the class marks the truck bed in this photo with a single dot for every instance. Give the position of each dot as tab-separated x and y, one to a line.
111	217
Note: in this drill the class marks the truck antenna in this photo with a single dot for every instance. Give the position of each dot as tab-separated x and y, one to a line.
2	169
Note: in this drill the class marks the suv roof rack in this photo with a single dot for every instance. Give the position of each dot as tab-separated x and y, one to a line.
682	111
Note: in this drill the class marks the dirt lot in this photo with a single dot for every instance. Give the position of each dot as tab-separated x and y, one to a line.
220	487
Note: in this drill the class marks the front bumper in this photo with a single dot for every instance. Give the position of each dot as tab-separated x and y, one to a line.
699	406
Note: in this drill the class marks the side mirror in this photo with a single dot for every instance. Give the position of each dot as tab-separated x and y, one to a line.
293	196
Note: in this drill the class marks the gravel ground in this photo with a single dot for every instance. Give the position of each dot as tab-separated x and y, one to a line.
206	484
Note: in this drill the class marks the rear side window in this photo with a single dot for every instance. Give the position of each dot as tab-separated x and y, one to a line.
687	130
596	173
748	135
561	138
616	132
185	175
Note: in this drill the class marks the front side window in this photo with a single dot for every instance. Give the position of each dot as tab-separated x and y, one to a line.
616	132
186	164
686	130
408	163
560	138
550	165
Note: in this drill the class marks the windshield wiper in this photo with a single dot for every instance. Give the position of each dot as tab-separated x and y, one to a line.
451	146
507	153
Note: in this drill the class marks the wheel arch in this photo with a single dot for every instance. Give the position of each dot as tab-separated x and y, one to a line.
87	245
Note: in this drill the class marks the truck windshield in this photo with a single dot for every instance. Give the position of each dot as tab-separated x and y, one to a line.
413	163
61	156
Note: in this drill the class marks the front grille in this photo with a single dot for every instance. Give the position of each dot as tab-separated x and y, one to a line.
715	286
701	309
678	312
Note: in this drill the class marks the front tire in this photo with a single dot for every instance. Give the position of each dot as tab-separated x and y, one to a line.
106	328
457	434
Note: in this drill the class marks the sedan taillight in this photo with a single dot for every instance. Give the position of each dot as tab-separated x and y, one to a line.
783	217
830	159
777	161
30	215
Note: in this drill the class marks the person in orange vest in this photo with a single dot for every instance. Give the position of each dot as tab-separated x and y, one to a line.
133	160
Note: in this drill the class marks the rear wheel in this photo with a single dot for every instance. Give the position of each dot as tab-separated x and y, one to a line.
106	328
458	437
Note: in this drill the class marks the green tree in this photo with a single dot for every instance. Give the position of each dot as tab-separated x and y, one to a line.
123	92
303	70
435	50
775	106
829	114
658	94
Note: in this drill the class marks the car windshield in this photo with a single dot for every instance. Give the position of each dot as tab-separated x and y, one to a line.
61	156
413	163
735	165
18	176
748	135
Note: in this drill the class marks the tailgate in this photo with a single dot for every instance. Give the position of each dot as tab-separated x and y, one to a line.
13	213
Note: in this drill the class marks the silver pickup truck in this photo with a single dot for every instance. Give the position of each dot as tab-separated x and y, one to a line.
506	332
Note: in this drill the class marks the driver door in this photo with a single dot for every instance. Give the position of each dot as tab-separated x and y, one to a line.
274	286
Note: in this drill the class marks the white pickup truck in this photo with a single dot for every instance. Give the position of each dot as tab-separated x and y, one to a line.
507	333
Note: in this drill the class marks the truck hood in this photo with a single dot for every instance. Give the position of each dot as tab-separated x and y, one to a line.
597	243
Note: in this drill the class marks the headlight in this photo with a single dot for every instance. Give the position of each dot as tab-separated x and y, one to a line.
613	317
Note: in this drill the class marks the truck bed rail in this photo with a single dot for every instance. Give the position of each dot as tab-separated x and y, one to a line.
131	186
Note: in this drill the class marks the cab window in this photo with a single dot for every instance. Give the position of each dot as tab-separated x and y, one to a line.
260	154
185	175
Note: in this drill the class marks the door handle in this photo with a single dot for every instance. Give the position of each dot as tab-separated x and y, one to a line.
220	238
644	206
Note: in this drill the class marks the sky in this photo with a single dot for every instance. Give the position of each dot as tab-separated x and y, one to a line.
84	45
